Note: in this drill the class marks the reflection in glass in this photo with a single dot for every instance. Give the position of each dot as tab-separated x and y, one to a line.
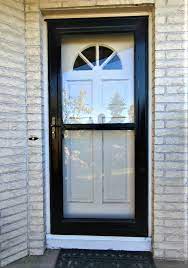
77	102
117	107
99	174
115	104
90	54
104	53
80	65
100	88
113	64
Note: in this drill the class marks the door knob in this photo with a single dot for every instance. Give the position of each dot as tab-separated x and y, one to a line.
33	138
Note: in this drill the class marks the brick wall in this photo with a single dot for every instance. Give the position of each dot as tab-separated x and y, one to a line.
13	133
35	112
169	122
170	165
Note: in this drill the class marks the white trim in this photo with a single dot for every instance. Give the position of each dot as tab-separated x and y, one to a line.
97	12
46	121
99	242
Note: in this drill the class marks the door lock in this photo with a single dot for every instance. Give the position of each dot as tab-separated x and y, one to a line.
53	133
53	127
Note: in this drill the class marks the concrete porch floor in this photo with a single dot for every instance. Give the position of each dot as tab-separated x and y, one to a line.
48	260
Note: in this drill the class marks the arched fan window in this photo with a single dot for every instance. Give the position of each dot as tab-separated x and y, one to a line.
97	56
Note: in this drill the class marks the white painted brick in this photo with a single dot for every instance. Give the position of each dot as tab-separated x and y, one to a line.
36	251
8	203
11	234
170	149
175	3
170	116
160	107
158	237
175	174
170	180
159	90
169	214
160	55
174	190
159	140
169	132
175	89
159	124
13	218
13	250
175	156
176	63
169	46
13	205
14	257
175	140
13	242
158	253
166	81
12	210
169	165
36	243
169	245
164	206
160	72
11	194
176	36
175	54
169	198
175	124
175	254
171	98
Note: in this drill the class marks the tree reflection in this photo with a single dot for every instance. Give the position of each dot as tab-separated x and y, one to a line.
75	108
117	108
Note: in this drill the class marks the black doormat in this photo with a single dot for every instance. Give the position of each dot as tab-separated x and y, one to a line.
79	258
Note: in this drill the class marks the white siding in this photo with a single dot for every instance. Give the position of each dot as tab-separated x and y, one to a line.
13	133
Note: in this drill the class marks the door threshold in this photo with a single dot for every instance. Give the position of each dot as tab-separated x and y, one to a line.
98	242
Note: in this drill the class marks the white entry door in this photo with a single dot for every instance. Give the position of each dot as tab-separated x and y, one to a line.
98	99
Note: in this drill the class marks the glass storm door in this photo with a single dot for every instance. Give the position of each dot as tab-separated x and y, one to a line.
98	86
98	99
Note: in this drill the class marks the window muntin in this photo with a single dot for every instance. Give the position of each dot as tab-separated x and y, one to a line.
101	56
100	88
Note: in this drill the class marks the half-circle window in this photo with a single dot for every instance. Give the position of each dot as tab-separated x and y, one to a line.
100	56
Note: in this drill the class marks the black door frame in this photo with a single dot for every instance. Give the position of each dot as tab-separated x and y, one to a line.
114	227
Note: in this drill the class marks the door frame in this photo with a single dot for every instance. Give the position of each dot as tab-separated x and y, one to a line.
139	26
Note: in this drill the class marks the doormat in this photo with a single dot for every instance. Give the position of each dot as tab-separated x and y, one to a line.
80	258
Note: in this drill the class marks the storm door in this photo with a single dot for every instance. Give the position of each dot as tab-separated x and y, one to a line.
95	136
98	89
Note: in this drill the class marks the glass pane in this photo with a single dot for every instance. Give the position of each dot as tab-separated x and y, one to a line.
102	93
90	54
80	64
117	101
77	102
104	53
99	174
113	64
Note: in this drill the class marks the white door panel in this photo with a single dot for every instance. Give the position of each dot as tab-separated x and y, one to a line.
115	166
99	174
78	159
